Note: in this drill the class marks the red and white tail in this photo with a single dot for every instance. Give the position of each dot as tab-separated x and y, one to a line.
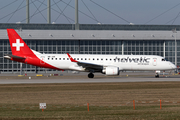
18	46
22	53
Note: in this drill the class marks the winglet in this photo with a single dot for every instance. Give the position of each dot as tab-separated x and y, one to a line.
72	60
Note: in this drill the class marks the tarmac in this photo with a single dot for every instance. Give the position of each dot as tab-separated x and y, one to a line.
82	78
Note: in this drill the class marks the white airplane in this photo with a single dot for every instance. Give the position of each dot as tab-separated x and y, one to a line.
106	64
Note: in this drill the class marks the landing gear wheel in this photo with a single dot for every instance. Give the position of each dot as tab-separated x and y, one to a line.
157	75
90	75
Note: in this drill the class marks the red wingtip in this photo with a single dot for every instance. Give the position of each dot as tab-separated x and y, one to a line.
72	60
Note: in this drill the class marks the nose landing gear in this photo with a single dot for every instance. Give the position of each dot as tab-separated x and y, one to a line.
90	75
157	72
157	75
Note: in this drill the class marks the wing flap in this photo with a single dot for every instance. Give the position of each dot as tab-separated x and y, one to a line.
90	65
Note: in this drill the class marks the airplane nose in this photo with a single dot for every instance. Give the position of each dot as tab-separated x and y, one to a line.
173	66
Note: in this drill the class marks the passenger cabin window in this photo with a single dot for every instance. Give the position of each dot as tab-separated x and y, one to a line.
59	58
48	58
56	58
67	58
81	58
63	58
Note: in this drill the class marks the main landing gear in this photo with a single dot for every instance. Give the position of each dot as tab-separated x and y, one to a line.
90	75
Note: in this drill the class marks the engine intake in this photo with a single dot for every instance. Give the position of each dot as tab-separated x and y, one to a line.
111	71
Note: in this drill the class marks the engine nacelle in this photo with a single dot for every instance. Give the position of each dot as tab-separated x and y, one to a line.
111	71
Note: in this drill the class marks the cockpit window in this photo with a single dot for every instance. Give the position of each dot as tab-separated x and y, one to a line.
163	59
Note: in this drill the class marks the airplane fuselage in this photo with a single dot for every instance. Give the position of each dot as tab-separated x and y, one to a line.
123	62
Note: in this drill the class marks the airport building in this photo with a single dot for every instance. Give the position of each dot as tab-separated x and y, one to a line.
91	39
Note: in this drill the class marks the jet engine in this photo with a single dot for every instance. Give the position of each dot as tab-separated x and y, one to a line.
111	70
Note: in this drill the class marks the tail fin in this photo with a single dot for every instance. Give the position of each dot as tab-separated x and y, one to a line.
18	46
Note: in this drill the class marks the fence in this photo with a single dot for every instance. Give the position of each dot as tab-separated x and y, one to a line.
132	103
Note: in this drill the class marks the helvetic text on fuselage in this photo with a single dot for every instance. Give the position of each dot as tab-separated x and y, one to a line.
140	61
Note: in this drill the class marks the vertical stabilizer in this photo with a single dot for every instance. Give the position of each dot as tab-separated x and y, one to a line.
18	46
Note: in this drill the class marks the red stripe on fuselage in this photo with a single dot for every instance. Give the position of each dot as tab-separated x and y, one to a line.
36	62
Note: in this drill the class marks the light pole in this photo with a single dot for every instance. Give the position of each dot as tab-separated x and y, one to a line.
175	32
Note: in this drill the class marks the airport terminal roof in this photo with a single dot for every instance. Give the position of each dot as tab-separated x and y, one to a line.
88	27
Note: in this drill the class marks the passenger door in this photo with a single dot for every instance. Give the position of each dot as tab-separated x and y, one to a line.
154	61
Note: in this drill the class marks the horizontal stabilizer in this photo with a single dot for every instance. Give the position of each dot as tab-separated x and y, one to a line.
8	56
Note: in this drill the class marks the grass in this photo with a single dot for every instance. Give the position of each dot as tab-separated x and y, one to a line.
69	101
125	112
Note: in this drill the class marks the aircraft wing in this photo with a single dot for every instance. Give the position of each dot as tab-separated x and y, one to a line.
89	65
8	56
86	65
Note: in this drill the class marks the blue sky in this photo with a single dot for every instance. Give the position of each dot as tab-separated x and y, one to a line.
134	11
